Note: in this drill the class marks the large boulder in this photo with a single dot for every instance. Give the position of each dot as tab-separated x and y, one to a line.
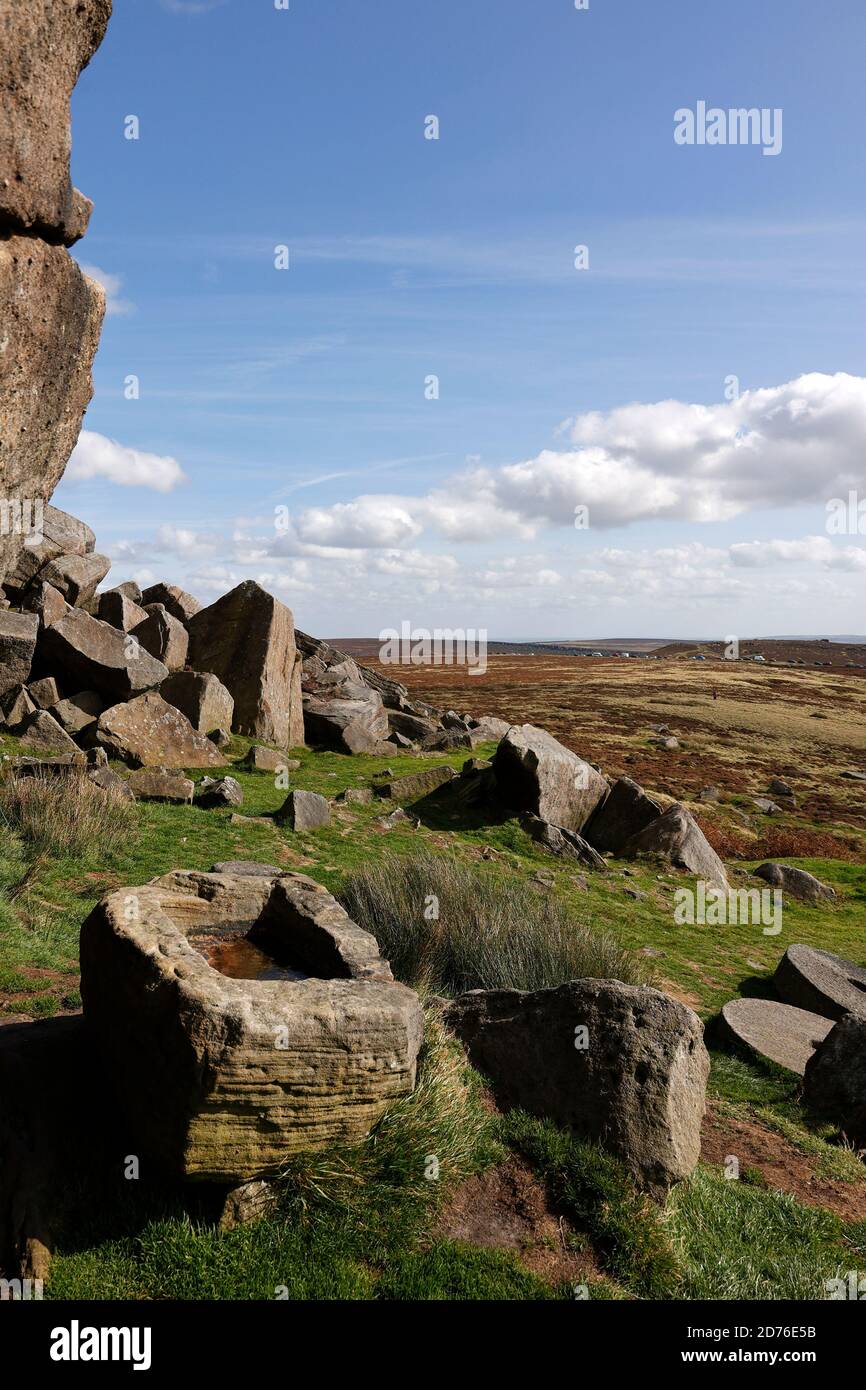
625	812
118	608
84	652
622	1065
536	773
41	730
79	712
834	1085
202	698
76	577
164	637
677	836
177	602
60	534
225	1078
43	48
247	639
149	732
18	634
51	316
355	722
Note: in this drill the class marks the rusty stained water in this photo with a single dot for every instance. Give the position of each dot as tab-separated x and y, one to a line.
229	951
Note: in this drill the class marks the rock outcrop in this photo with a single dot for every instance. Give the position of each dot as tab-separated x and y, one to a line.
51	313
536	773
91	655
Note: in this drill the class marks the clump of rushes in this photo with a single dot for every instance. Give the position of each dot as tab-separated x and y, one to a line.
65	815
447	926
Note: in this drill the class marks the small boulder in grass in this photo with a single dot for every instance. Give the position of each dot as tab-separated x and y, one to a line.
219	791
797	883
220	737
261	759
161	784
304	811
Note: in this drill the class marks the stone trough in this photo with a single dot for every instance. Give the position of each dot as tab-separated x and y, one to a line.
243	1018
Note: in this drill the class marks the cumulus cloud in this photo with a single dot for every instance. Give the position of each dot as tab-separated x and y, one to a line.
810	550
801	442
95	456
114	302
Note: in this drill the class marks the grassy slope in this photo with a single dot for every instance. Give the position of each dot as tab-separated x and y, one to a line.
728	1239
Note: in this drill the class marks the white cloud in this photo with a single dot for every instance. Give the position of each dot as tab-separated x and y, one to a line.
114	303
811	550
95	456
801	442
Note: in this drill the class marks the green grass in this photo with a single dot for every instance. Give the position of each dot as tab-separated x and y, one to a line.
361	1225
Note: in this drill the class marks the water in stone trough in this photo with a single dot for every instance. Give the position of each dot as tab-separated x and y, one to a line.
229	950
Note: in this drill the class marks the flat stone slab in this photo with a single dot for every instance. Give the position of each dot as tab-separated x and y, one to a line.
821	982
785	1035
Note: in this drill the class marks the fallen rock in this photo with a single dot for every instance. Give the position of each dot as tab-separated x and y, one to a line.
18	634
149	732
355	722
360	795
76	577
45	601
625	812
95	656
41	730
177	602
304	811
821	982
17	708
796	882
78	713
161	784
764	804
110	781
834	1085
247	1203
223	791
202	697
489	730
164	637
677	836
260	759
247	639
223	1079
447	741
120	610
536	773
221	737
44	692
565	844
398	816
778	787
787	1036
59	534
623	1066
412	726
415	785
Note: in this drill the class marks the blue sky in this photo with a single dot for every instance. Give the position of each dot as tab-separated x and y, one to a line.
303	390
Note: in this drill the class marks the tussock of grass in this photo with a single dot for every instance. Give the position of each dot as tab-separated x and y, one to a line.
447	926
595	1191
66	815
741	1241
